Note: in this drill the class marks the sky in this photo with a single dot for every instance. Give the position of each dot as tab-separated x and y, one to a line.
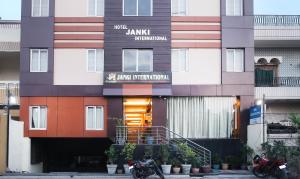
11	9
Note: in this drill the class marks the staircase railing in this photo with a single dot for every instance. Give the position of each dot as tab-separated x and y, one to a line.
156	135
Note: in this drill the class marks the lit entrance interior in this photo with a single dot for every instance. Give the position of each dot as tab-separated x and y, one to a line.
137	112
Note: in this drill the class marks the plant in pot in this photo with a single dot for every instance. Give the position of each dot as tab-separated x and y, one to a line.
234	162
112	156
247	155
225	164
187	154
176	164
165	155
127	152
196	164
216	160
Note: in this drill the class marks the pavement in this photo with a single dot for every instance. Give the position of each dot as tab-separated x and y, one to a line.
229	174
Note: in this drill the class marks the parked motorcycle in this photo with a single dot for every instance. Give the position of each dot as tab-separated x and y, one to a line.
145	168
262	167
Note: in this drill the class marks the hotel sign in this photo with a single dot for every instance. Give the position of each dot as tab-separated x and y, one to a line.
137	77
139	34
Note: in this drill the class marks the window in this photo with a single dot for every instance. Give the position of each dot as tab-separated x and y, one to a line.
179	8
96	8
137	7
179	60
137	60
235	60
38	60
38	117
40	8
95	60
234	7
94	118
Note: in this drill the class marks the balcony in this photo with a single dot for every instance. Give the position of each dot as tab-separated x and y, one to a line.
13	90
277	31
278	88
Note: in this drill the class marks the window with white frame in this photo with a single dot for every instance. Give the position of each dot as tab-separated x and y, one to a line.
180	60
95	60
94	118
40	8
137	7
234	7
179	8
38	60
95	7
38	117
235	60
137	60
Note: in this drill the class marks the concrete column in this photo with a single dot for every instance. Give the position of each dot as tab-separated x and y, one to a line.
3	142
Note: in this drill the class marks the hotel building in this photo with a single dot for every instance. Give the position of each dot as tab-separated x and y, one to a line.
186	65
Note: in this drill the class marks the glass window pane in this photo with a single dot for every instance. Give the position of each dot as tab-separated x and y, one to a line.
91	60
182	60
44	7
145	60
129	60
130	7
36	7
34	65
100	7
182	7
99	116
43	117
239	60
238	7
175	62
99	60
44	61
34	117
229	7
90	118
230	60
145	7
91	8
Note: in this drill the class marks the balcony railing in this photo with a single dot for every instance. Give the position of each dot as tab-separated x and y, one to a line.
277	20
278	82
13	90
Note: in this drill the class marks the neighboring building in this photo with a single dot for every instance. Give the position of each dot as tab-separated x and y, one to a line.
277	75
186	65
9	81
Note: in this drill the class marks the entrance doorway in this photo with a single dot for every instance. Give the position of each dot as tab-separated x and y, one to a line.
137	112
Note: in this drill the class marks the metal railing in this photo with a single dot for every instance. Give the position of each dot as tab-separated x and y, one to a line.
277	20
278	82
13	90
156	135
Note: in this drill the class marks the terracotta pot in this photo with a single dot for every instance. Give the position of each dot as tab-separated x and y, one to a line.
225	166
195	170
176	170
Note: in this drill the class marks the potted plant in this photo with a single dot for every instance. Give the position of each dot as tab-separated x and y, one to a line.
127	152
247	155
225	164
216	160
112	156
176	164
187	154
196	164
165	154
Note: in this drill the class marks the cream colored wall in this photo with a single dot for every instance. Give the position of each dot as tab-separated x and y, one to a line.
203	7
204	67
70	68
71	8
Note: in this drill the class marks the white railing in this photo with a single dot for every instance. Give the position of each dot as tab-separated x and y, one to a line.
156	135
277	20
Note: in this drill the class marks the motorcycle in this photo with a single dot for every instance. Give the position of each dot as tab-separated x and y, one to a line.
262	167
145	168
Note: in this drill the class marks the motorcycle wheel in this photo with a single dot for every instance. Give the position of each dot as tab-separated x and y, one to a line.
258	174
134	174
282	174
